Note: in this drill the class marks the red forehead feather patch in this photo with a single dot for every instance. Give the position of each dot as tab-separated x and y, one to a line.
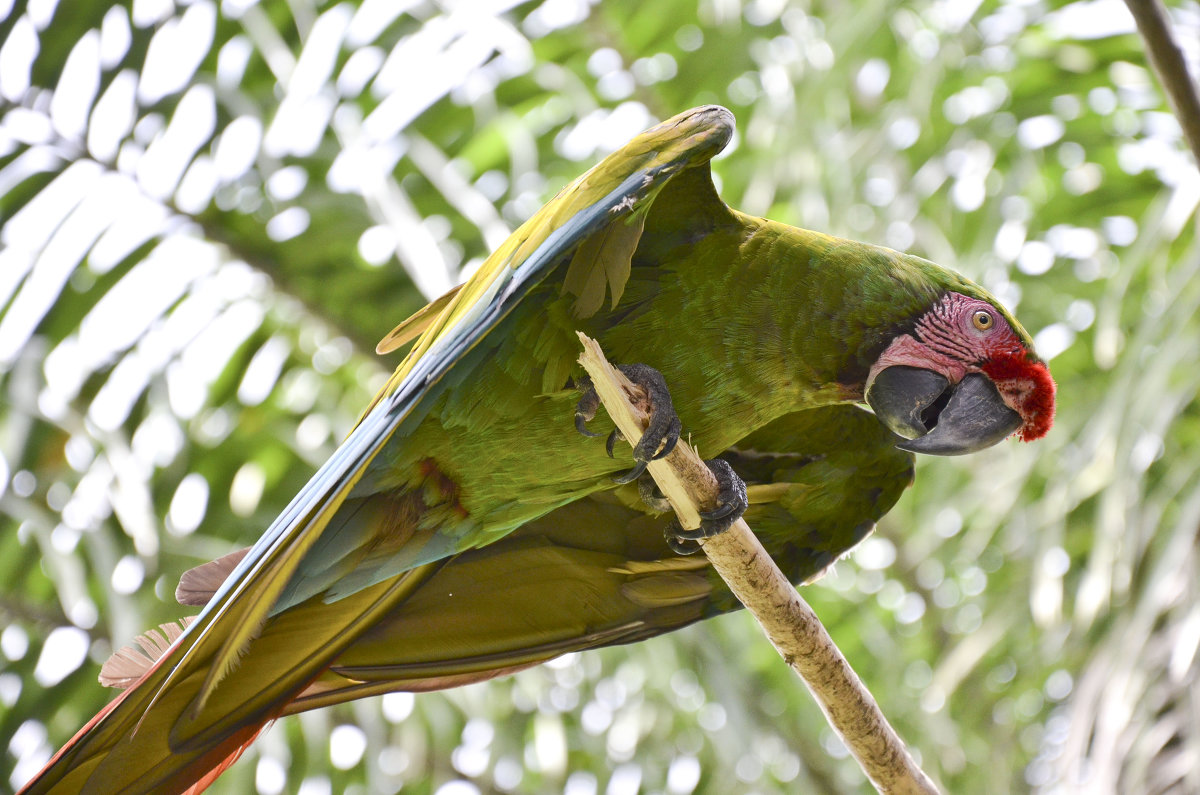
1029	383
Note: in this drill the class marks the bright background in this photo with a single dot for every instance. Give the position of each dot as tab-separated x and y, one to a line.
211	213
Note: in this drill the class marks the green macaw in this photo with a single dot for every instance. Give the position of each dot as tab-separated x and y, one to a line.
462	531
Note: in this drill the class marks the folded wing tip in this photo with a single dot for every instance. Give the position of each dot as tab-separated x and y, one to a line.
715	119
718	114
711	114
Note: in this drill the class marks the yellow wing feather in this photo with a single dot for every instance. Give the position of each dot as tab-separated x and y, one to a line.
414	326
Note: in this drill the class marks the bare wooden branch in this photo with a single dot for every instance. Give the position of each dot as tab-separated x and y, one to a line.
787	620
1168	62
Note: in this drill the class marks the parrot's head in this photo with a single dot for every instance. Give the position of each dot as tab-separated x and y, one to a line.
961	380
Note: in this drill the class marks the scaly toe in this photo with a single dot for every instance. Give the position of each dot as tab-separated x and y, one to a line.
651	496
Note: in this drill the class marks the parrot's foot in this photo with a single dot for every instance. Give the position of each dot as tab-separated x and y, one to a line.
731	504
585	409
649	493
662	432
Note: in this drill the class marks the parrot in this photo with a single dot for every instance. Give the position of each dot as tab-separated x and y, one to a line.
463	530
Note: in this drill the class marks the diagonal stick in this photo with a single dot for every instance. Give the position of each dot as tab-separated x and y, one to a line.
789	623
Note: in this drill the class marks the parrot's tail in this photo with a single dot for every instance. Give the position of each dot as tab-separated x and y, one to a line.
239	742
110	733
130	733
161	735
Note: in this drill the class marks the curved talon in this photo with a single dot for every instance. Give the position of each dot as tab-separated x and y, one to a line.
672	440
631	475
697	534
581	426
682	546
722	511
612	440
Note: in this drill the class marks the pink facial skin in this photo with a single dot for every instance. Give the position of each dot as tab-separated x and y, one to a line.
962	335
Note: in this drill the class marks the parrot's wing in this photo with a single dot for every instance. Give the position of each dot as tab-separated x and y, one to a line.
598	572
596	220
604	204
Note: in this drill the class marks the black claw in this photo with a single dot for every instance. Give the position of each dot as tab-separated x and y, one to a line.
722	511
612	441
682	546
632	474
697	534
581	426
672	440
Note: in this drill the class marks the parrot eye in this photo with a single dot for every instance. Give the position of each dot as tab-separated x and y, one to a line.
982	320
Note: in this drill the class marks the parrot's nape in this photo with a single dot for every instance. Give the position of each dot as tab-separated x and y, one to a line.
465	477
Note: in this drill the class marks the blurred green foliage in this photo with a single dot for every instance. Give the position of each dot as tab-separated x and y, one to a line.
209	219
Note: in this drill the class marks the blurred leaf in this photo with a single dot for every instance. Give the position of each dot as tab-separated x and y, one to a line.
295	181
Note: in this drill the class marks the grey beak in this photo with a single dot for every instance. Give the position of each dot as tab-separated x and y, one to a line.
938	418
